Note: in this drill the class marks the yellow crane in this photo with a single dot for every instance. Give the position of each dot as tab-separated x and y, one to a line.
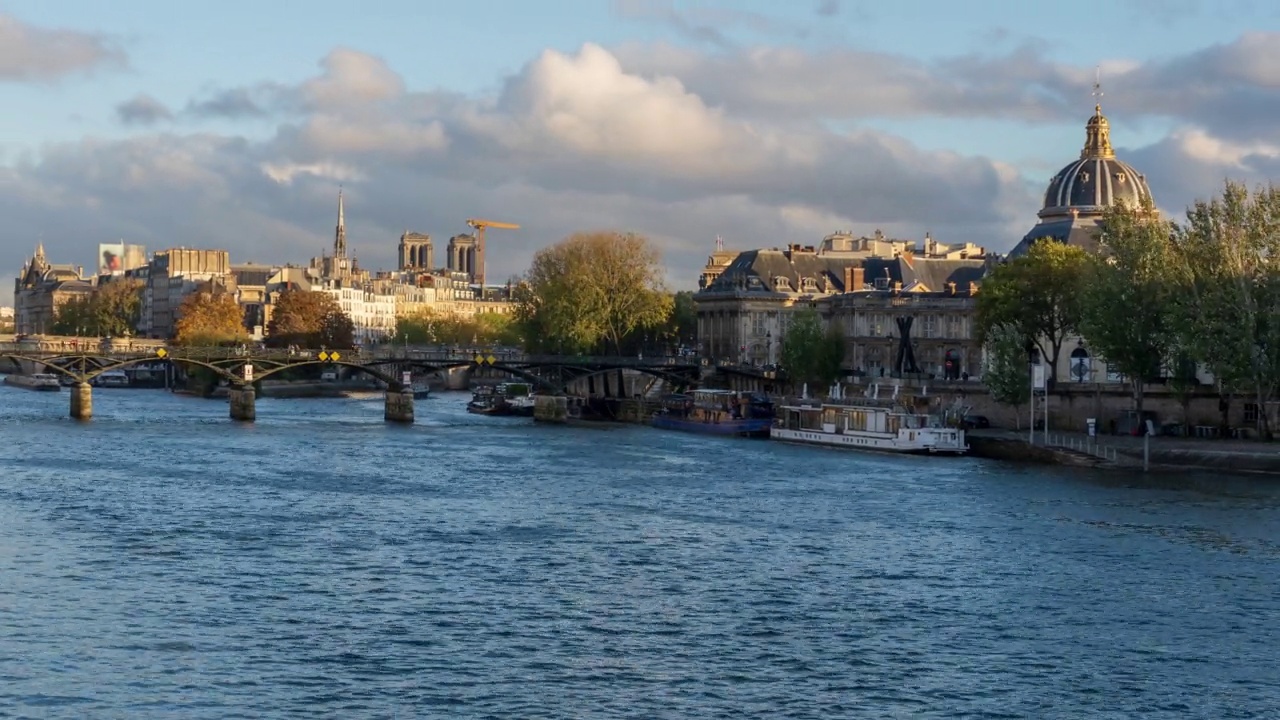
480	225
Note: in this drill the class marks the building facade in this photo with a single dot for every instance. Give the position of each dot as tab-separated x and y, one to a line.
43	287
173	275
863	286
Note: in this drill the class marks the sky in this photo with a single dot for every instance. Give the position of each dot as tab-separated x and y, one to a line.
232	125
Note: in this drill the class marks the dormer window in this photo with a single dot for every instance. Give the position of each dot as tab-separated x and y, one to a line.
882	283
810	285
782	284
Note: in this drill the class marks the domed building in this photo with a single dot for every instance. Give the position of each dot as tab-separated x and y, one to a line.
1080	192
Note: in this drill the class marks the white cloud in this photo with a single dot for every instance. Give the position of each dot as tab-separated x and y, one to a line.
679	145
29	53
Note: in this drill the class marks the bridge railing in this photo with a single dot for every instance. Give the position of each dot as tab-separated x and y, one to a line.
461	356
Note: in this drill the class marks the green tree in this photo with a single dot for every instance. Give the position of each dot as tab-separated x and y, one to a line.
1128	294
1230	276
1006	369
590	292
309	319
75	316
118	307
484	328
811	353
1037	295
209	318
111	309
681	327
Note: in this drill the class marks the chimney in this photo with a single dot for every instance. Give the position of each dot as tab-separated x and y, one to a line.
897	287
859	278
848	279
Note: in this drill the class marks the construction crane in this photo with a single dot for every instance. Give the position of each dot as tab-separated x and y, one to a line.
480	225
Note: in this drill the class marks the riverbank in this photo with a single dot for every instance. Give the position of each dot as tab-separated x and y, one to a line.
1167	454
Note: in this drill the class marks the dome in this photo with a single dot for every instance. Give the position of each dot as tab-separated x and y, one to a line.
1080	192
1097	180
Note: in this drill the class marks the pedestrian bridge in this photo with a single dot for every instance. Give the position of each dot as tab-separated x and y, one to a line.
242	368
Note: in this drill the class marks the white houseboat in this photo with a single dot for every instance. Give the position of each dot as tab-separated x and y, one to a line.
867	427
36	381
112	378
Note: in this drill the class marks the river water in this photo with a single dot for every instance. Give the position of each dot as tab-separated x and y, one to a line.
163	562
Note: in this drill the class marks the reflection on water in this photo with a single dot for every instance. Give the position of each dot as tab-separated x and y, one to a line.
162	562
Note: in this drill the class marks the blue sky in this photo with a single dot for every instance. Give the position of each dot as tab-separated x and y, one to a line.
979	97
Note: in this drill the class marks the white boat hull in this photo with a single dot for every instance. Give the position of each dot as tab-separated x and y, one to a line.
915	441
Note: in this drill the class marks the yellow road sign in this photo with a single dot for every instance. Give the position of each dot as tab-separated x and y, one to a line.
479	359
491	359
334	356
323	356
161	352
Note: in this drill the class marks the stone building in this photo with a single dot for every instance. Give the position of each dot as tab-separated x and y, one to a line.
928	302
416	252
171	276
43	287
745	308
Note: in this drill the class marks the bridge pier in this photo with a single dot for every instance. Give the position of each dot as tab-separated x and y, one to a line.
399	406
82	401
550	409
242	401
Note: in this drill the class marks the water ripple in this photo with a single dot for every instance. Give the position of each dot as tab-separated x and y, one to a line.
162	562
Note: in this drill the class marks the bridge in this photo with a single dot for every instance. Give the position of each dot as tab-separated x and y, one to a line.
243	369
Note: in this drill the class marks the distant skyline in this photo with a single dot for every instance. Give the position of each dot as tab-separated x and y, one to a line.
232	125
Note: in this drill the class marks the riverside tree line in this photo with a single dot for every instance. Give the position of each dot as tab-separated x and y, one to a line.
1160	298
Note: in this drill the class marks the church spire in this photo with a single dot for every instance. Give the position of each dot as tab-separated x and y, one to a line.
340	234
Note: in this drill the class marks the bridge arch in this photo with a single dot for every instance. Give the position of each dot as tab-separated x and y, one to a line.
512	370
392	383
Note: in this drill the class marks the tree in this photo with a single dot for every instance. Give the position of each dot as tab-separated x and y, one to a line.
485	328
112	309
118	307
591	291
75	316
309	319
1038	296
209	318
1006	368
1230	305
681	328
810	353
1127	296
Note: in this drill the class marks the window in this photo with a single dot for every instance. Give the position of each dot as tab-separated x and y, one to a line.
781	284
877	325
758	323
1251	413
929	324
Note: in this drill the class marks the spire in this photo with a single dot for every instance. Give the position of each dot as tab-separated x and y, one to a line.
340	234
1097	140
40	250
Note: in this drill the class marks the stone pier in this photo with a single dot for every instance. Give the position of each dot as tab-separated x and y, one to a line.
399	406
242	403
82	401
550	408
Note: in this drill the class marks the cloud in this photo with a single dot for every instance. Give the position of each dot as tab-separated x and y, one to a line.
33	54
234	103
142	109
828	8
676	144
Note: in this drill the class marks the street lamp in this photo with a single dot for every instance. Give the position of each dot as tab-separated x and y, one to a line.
768	347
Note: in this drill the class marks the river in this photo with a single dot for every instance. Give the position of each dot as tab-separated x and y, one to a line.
163	562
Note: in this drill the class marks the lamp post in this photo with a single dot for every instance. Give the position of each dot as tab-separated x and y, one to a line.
768	347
